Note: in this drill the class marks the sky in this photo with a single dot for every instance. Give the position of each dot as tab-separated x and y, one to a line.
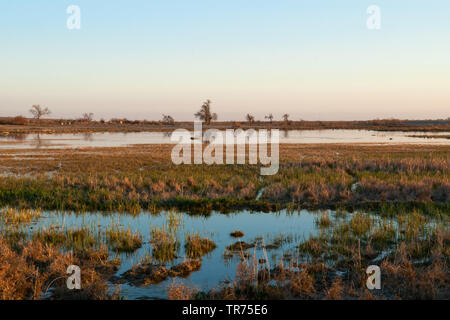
312	59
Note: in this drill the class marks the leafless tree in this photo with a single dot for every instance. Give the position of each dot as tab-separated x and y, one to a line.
88	117
250	118
269	117
205	113
168	119
286	118
38	112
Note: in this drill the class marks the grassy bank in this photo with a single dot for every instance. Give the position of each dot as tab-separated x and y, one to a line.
310	176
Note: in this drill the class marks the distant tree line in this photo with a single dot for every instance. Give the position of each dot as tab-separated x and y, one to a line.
205	114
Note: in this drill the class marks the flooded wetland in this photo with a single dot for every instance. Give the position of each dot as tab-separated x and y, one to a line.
141	227
158	253
224	159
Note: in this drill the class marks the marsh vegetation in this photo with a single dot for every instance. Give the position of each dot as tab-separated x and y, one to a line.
141	227
143	178
295	255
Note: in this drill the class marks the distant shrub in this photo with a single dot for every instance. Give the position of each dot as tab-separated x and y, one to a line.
17	121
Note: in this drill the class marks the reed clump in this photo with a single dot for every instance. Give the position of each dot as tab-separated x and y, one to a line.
196	247
324	220
13	216
177	290
78	238
165	245
123	240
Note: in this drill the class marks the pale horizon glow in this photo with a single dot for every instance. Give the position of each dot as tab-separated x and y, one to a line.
315	60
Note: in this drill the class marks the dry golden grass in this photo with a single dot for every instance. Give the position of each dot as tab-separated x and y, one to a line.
35	268
179	291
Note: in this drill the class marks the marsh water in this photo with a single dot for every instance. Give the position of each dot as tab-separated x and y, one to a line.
115	139
276	239
280	232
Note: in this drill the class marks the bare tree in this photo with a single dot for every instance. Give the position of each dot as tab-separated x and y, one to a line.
205	113
286	118
269	117
38	112
168	119
88	117
250	118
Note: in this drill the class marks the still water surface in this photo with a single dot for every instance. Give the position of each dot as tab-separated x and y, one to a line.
289	228
114	139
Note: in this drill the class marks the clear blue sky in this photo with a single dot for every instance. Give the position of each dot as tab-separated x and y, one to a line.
312	59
